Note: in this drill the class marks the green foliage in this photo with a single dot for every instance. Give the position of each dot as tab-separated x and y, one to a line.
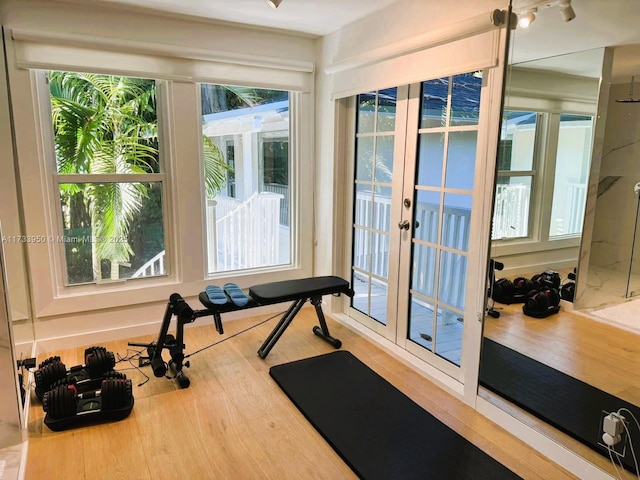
105	125
215	168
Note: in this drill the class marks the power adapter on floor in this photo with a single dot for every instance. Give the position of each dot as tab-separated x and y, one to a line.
612	425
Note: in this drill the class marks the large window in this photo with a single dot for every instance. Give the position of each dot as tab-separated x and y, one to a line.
108	177
543	165
247	175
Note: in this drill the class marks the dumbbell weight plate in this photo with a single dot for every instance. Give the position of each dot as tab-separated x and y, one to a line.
48	375
60	402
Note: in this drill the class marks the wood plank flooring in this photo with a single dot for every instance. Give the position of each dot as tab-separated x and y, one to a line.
234	422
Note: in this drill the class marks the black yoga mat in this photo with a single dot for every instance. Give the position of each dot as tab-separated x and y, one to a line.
568	404
376	429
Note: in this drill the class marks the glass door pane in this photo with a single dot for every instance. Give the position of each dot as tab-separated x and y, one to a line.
441	217
376	116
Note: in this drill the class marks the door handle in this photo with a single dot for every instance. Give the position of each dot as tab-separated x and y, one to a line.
404	225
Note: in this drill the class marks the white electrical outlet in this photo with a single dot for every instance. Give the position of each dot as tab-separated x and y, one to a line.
613	432
612	424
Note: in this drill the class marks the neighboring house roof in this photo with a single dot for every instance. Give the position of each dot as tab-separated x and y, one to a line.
257	110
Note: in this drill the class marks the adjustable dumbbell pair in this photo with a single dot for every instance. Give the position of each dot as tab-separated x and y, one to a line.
90	389
521	288
507	291
51	373
540	301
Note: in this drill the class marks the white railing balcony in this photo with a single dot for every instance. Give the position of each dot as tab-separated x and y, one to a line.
511	212
240	235
371	249
247	236
154	266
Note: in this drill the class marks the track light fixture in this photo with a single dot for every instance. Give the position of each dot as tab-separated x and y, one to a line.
566	10
527	18
527	15
274	3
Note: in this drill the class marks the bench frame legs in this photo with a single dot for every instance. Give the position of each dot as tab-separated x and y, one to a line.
175	344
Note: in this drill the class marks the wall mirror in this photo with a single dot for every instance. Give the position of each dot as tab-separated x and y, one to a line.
564	200
16	320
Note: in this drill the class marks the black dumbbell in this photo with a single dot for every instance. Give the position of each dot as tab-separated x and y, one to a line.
98	361
542	300
64	401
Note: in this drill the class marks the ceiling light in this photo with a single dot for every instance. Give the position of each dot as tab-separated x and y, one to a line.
274	3
527	18
566	10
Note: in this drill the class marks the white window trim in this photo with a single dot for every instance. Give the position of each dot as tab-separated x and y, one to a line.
186	235
543	174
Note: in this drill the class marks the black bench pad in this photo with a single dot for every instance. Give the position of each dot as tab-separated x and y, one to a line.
289	290
285	291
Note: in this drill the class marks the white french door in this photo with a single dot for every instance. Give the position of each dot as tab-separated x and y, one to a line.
418	204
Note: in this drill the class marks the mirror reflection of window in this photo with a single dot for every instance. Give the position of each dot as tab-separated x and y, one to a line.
571	175
515	175
558	144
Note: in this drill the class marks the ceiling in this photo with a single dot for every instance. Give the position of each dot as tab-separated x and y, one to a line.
598	23
315	17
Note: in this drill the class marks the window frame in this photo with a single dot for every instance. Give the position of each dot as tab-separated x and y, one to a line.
544	167
55	179
185	233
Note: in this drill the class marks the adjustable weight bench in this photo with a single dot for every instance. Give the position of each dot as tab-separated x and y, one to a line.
230	298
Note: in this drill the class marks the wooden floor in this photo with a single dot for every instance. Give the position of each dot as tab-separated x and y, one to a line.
233	422
595	352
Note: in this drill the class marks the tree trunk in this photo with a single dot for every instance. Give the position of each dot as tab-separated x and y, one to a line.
214	99
115	270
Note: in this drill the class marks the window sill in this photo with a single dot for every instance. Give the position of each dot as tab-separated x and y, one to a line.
120	295
500	248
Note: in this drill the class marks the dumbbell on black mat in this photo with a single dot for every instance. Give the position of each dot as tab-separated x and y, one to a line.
508	292
547	279
543	299
65	406
98	361
542	303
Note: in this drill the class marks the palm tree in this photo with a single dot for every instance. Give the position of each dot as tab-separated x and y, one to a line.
108	125
105	125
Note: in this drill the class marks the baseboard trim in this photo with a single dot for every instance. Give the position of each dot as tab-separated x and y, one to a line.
449	384
95	337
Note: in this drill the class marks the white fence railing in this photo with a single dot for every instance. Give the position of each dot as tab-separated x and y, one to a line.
284	205
224	205
371	249
154	266
575	204
247	236
239	235
511	213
